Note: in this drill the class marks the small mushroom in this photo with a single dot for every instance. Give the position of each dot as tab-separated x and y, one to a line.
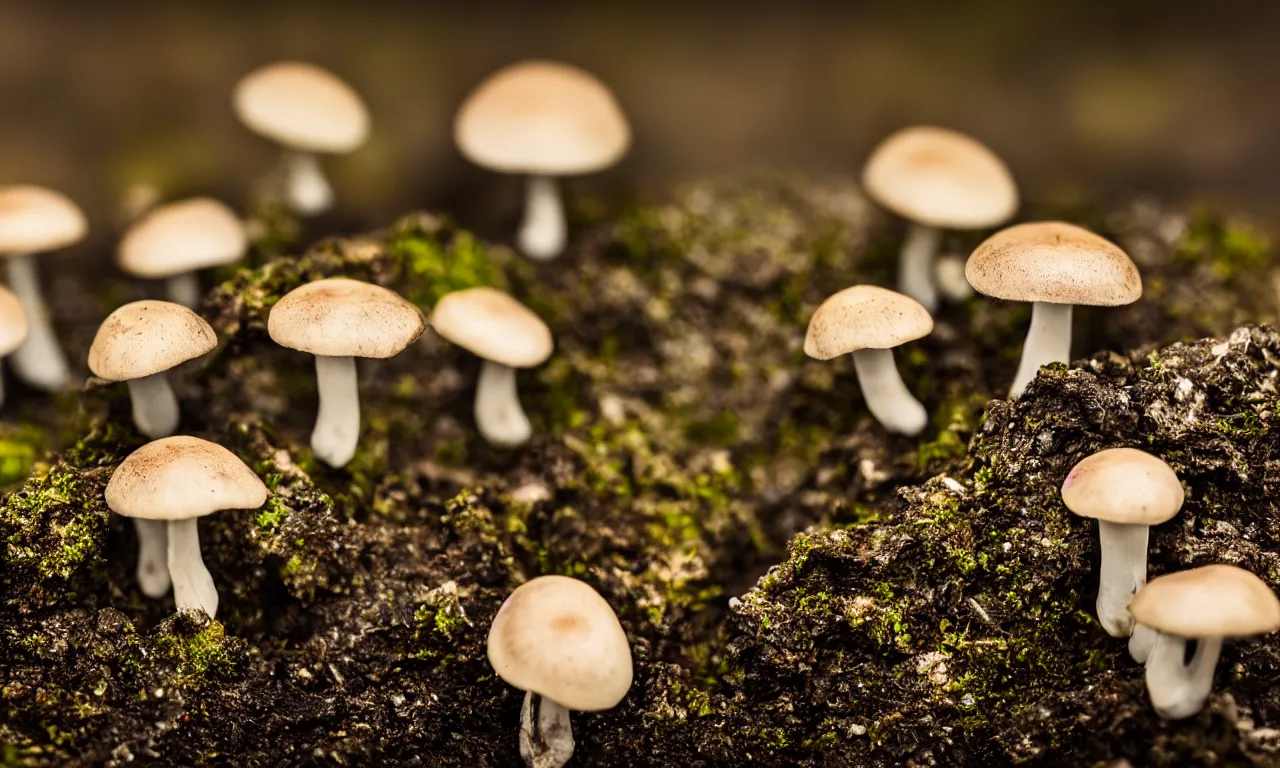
937	179
177	480
542	119
34	220
556	639
1203	604
493	326
173	241
1055	266
307	110
338	320
14	327
869	322
1127	491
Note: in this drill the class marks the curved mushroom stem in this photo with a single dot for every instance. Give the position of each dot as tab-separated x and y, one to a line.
546	734
153	543
306	190
155	408
915	265
193	588
1141	642
499	416
1122	573
1179	690
39	361
184	289
543	230
1048	341
338	422
887	397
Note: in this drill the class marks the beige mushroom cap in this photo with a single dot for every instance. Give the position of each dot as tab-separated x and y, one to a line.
182	477
1123	485
146	337
14	325
490	324
339	317
941	178
182	237
557	637
1054	262
1210	601
864	317
303	107
542	117
36	219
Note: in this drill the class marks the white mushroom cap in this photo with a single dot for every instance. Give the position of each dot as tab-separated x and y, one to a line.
14	325
182	477
1123	485
182	237
339	317
542	117
1210	601
1055	262
491	324
303	107
864	317
146	337
34	219
557	637
940	178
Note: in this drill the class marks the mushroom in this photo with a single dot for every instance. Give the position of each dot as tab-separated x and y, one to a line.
556	639
338	320
1127	491
307	110
177	480
1054	265
543	119
1204	604
14	327
33	220
493	326
173	241
937	179
869	322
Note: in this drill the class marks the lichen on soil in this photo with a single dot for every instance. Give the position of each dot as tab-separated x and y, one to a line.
800	588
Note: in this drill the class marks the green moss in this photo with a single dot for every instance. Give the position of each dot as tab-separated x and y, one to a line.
195	654
53	530
434	266
1231	247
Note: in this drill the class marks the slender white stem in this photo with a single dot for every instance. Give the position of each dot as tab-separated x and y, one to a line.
40	361
184	289
153	568
1141	642
338	423
1122	573
155	407
915	265
193	588
1179	690
499	416
546	733
887	397
306	190
543	231
1048	341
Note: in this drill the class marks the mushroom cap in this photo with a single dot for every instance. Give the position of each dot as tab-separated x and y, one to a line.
181	477
941	178
541	117
34	219
864	317
182	237
1209	601
14	324
557	637
1123	485
303	107
340	317
146	337
1055	262
490	324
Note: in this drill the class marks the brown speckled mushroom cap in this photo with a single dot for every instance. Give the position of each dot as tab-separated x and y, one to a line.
1054	262
182	237
490	324
146	337
864	317
302	106
1210	601
1123	485
182	477
34	219
14	325
940	178
340	317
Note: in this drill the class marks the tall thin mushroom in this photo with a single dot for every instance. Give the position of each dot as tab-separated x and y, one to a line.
174	241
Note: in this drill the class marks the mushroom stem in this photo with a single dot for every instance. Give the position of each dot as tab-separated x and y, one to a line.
306	190
184	289
1122	573
499	416
39	361
155	407
1179	690
546	738
886	396
543	231
338	422
193	588
153	571
915	265
1141	642
1048	341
